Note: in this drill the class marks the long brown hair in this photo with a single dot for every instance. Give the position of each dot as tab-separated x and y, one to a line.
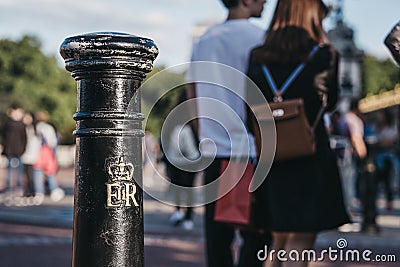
295	27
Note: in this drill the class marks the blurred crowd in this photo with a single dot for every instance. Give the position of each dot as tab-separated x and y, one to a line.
367	148
29	143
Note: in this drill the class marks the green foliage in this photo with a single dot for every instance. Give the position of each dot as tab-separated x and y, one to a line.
378	75
34	80
159	96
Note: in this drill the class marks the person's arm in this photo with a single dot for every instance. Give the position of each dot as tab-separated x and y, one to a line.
24	138
3	134
188	141
392	42
357	135
3	137
359	145
191	94
327	81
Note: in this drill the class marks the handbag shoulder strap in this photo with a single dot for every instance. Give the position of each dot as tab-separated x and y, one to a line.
279	92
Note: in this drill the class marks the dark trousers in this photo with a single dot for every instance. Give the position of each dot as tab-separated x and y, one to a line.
219	236
384	178
368	186
184	179
29	189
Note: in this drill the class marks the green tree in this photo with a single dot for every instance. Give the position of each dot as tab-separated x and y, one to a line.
34	80
378	75
159	95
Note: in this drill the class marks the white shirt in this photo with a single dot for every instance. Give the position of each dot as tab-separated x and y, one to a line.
356	128
355	124
227	43
33	144
182	145
47	132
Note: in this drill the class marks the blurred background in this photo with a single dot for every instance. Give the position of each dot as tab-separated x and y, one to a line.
32	70
32	74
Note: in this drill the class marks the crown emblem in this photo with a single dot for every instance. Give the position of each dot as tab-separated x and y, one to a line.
120	170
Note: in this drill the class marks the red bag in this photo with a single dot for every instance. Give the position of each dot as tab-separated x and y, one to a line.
236	206
47	161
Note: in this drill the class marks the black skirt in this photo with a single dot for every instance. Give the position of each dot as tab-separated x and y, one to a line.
305	194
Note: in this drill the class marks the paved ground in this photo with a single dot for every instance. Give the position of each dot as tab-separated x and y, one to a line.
42	235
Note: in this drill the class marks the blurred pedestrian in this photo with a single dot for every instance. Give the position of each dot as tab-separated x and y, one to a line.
386	158
14	143
352	126
46	166
31	153
228	43
304	194
180	148
338	142
364	149
392	41
151	154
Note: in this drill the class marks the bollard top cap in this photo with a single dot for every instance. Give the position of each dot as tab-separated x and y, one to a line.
108	50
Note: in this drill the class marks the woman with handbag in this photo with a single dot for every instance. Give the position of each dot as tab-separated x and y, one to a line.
303	193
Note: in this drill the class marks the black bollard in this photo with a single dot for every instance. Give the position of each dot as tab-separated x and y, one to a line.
108	208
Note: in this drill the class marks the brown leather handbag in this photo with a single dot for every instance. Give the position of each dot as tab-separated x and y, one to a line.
295	137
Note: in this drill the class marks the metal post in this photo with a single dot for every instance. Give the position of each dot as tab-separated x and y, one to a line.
108	208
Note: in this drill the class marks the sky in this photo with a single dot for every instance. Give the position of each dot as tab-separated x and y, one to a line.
169	23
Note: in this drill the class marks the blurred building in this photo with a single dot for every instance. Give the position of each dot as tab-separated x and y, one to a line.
342	38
